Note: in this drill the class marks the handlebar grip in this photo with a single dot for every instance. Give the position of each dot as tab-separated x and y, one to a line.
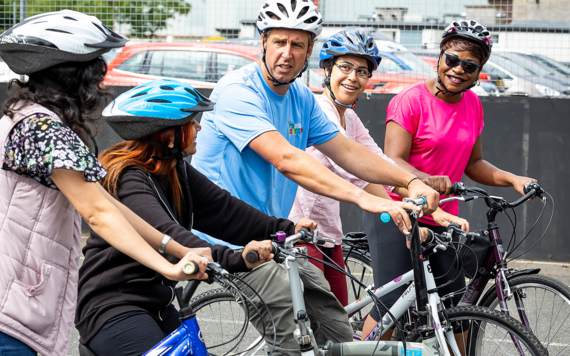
452	227
385	217
458	188
190	268
253	256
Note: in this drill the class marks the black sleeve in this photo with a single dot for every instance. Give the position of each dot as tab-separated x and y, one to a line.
220	215
136	192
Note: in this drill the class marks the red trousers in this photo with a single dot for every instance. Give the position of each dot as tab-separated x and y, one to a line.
336	279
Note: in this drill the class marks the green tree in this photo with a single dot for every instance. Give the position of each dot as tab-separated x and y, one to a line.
145	17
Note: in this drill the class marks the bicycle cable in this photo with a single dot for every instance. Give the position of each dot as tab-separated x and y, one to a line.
372	295
545	230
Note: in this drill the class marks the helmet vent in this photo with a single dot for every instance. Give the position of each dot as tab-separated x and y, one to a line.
272	15
303	12
159	101
139	94
311	19
192	92
60	31
266	6
293	5
69	18
320	21
283	10
99	27
165	87
35	23
336	44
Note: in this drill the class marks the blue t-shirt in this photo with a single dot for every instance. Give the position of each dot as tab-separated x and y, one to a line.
247	107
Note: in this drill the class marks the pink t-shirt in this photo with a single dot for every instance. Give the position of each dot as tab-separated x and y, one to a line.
326	211
443	134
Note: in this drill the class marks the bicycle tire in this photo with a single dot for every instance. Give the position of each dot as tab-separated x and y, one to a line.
545	291
213	327
480	323
360	266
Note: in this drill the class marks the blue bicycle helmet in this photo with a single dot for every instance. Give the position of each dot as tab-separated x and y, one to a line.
355	43
138	113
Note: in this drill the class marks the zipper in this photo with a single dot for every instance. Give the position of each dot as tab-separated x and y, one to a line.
162	201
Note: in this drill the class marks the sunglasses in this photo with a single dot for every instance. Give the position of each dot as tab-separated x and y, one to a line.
453	61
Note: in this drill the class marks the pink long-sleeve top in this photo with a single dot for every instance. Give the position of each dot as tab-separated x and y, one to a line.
326	211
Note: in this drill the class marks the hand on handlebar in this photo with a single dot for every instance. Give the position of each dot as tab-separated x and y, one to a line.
444	219
396	210
178	273
263	249
519	183
441	184
418	188
424	233
305	223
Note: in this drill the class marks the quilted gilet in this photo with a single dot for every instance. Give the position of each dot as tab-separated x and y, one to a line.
40	245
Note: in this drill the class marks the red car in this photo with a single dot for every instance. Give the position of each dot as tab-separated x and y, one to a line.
199	64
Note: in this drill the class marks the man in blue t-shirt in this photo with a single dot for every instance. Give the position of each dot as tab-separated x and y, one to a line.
253	145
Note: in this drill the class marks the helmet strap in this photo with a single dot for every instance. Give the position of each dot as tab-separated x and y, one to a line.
174	152
446	91
346	106
277	83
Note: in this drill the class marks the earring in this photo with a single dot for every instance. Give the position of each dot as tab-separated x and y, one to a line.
435	68
478	82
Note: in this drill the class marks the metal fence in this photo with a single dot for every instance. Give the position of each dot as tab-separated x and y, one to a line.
201	40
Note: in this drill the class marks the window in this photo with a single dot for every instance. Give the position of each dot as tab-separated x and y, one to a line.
387	65
156	63
135	64
185	65
228	62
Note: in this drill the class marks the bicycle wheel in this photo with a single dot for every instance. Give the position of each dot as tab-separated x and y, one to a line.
359	265
224	324
482	331
547	307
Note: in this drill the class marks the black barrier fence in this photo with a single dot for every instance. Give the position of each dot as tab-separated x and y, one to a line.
526	136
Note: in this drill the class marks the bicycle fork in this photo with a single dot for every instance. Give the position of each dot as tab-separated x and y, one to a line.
303	333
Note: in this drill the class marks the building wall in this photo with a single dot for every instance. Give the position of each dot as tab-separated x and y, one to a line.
544	10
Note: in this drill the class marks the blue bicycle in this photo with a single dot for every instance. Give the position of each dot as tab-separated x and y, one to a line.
188	339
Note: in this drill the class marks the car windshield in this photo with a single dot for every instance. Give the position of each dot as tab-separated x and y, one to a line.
557	66
414	62
511	66
530	65
109	56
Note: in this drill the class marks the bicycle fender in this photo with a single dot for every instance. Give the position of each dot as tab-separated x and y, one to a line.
520	272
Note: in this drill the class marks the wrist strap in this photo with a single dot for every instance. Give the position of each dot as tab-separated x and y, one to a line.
163	244
411	180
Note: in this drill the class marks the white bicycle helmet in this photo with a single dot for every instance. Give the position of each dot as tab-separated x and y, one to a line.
293	14
52	38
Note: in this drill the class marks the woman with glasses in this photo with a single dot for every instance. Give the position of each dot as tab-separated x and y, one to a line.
433	129
348	58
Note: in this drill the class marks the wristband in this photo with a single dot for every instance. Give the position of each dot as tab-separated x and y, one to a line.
163	244
411	180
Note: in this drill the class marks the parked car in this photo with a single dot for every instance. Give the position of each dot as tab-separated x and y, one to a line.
521	82
491	83
199	64
554	66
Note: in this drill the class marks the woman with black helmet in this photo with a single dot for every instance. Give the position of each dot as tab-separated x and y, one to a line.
49	180
125	308
433	129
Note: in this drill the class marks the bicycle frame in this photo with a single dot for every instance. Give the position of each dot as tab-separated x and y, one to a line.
186	340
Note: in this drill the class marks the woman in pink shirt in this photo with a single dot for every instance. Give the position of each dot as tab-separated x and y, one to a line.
348	57
433	129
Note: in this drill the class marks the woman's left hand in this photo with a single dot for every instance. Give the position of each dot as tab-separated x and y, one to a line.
519	182
444	219
307	223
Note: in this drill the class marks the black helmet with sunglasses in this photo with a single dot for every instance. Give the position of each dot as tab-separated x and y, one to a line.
472	31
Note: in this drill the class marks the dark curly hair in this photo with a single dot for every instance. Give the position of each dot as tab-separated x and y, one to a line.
71	90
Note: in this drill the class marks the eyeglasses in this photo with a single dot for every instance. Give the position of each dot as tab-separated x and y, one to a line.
360	72
453	61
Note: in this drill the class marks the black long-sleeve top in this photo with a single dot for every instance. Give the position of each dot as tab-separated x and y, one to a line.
111	283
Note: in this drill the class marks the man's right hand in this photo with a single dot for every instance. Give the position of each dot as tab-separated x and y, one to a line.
441	184
263	249
377	205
